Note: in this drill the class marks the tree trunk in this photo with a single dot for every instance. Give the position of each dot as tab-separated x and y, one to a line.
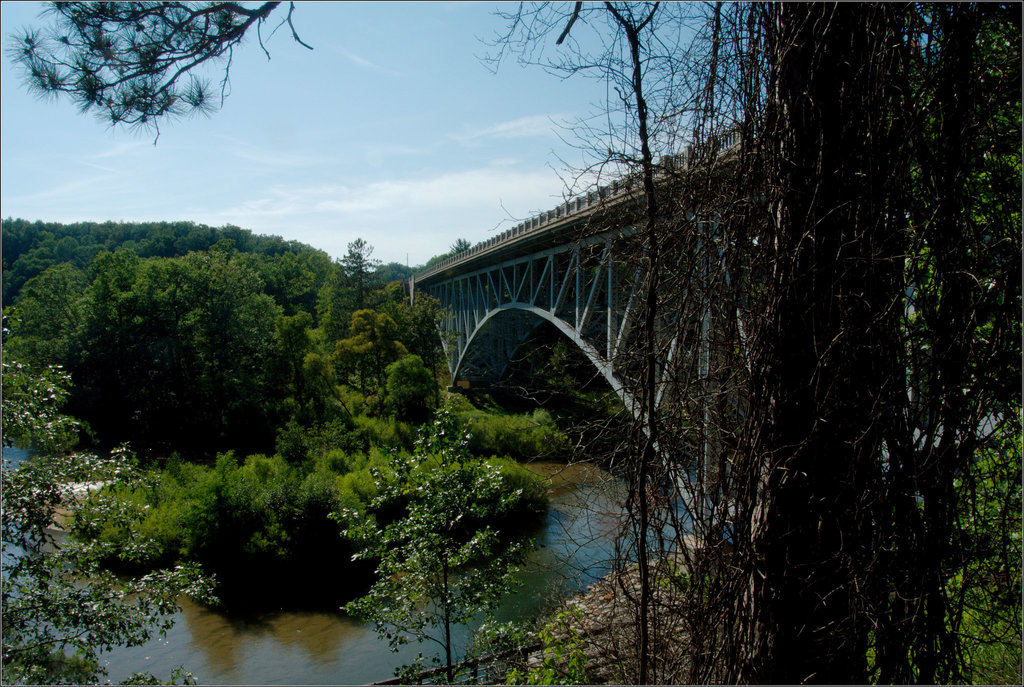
812	445
648	437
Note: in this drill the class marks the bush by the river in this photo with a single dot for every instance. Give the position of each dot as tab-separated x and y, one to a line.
257	520
523	437
264	521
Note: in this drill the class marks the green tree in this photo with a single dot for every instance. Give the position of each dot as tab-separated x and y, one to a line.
459	246
295	279
108	369
61	609
418	327
319	370
226	335
333	306
360	269
372	345
31	407
440	562
293	344
172	343
411	388
48	316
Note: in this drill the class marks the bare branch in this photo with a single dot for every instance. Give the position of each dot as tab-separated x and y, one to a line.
572	20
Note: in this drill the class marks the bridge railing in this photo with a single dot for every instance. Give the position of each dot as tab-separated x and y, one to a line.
544	220
721	144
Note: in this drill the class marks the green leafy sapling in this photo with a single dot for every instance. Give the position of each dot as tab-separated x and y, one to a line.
441	562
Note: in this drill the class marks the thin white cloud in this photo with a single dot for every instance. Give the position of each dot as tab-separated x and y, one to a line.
102	168
62	191
367	64
429	213
533	125
378	156
121	149
447	192
276	159
396	149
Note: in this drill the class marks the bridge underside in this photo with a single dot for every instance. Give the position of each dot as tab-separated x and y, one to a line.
591	290
594	290
581	289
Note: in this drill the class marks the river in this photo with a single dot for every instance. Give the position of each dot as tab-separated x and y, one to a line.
13	456
286	647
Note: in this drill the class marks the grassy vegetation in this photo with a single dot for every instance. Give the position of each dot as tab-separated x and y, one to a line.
265	520
522	437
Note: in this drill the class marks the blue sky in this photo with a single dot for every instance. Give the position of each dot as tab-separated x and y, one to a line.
391	129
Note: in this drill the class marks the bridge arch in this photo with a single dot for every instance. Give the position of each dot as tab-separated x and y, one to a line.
588	285
602	364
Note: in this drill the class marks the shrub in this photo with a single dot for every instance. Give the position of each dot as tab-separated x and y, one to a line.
411	389
563	659
387	433
353	400
533	498
162	525
338	433
457	403
337	461
292	442
523	437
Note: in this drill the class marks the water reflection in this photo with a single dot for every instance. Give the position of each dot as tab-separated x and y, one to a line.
317	635
293	647
13	456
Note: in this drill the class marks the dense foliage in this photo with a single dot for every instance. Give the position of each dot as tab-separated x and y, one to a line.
61	608
191	341
189	338
254	522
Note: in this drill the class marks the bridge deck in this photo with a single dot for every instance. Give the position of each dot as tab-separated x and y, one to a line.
554	225
551	227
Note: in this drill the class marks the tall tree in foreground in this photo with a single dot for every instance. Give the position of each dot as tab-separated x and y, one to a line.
866	234
957	438
826	350
880	360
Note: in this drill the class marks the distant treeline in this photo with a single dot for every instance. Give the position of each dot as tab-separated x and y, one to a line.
189	337
31	247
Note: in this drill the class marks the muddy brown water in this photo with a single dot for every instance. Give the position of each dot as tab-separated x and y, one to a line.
302	647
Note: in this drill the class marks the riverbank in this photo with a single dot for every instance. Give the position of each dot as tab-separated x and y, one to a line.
593	637
275	646
76	493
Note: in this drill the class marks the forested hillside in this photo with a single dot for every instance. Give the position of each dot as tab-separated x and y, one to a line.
198	338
